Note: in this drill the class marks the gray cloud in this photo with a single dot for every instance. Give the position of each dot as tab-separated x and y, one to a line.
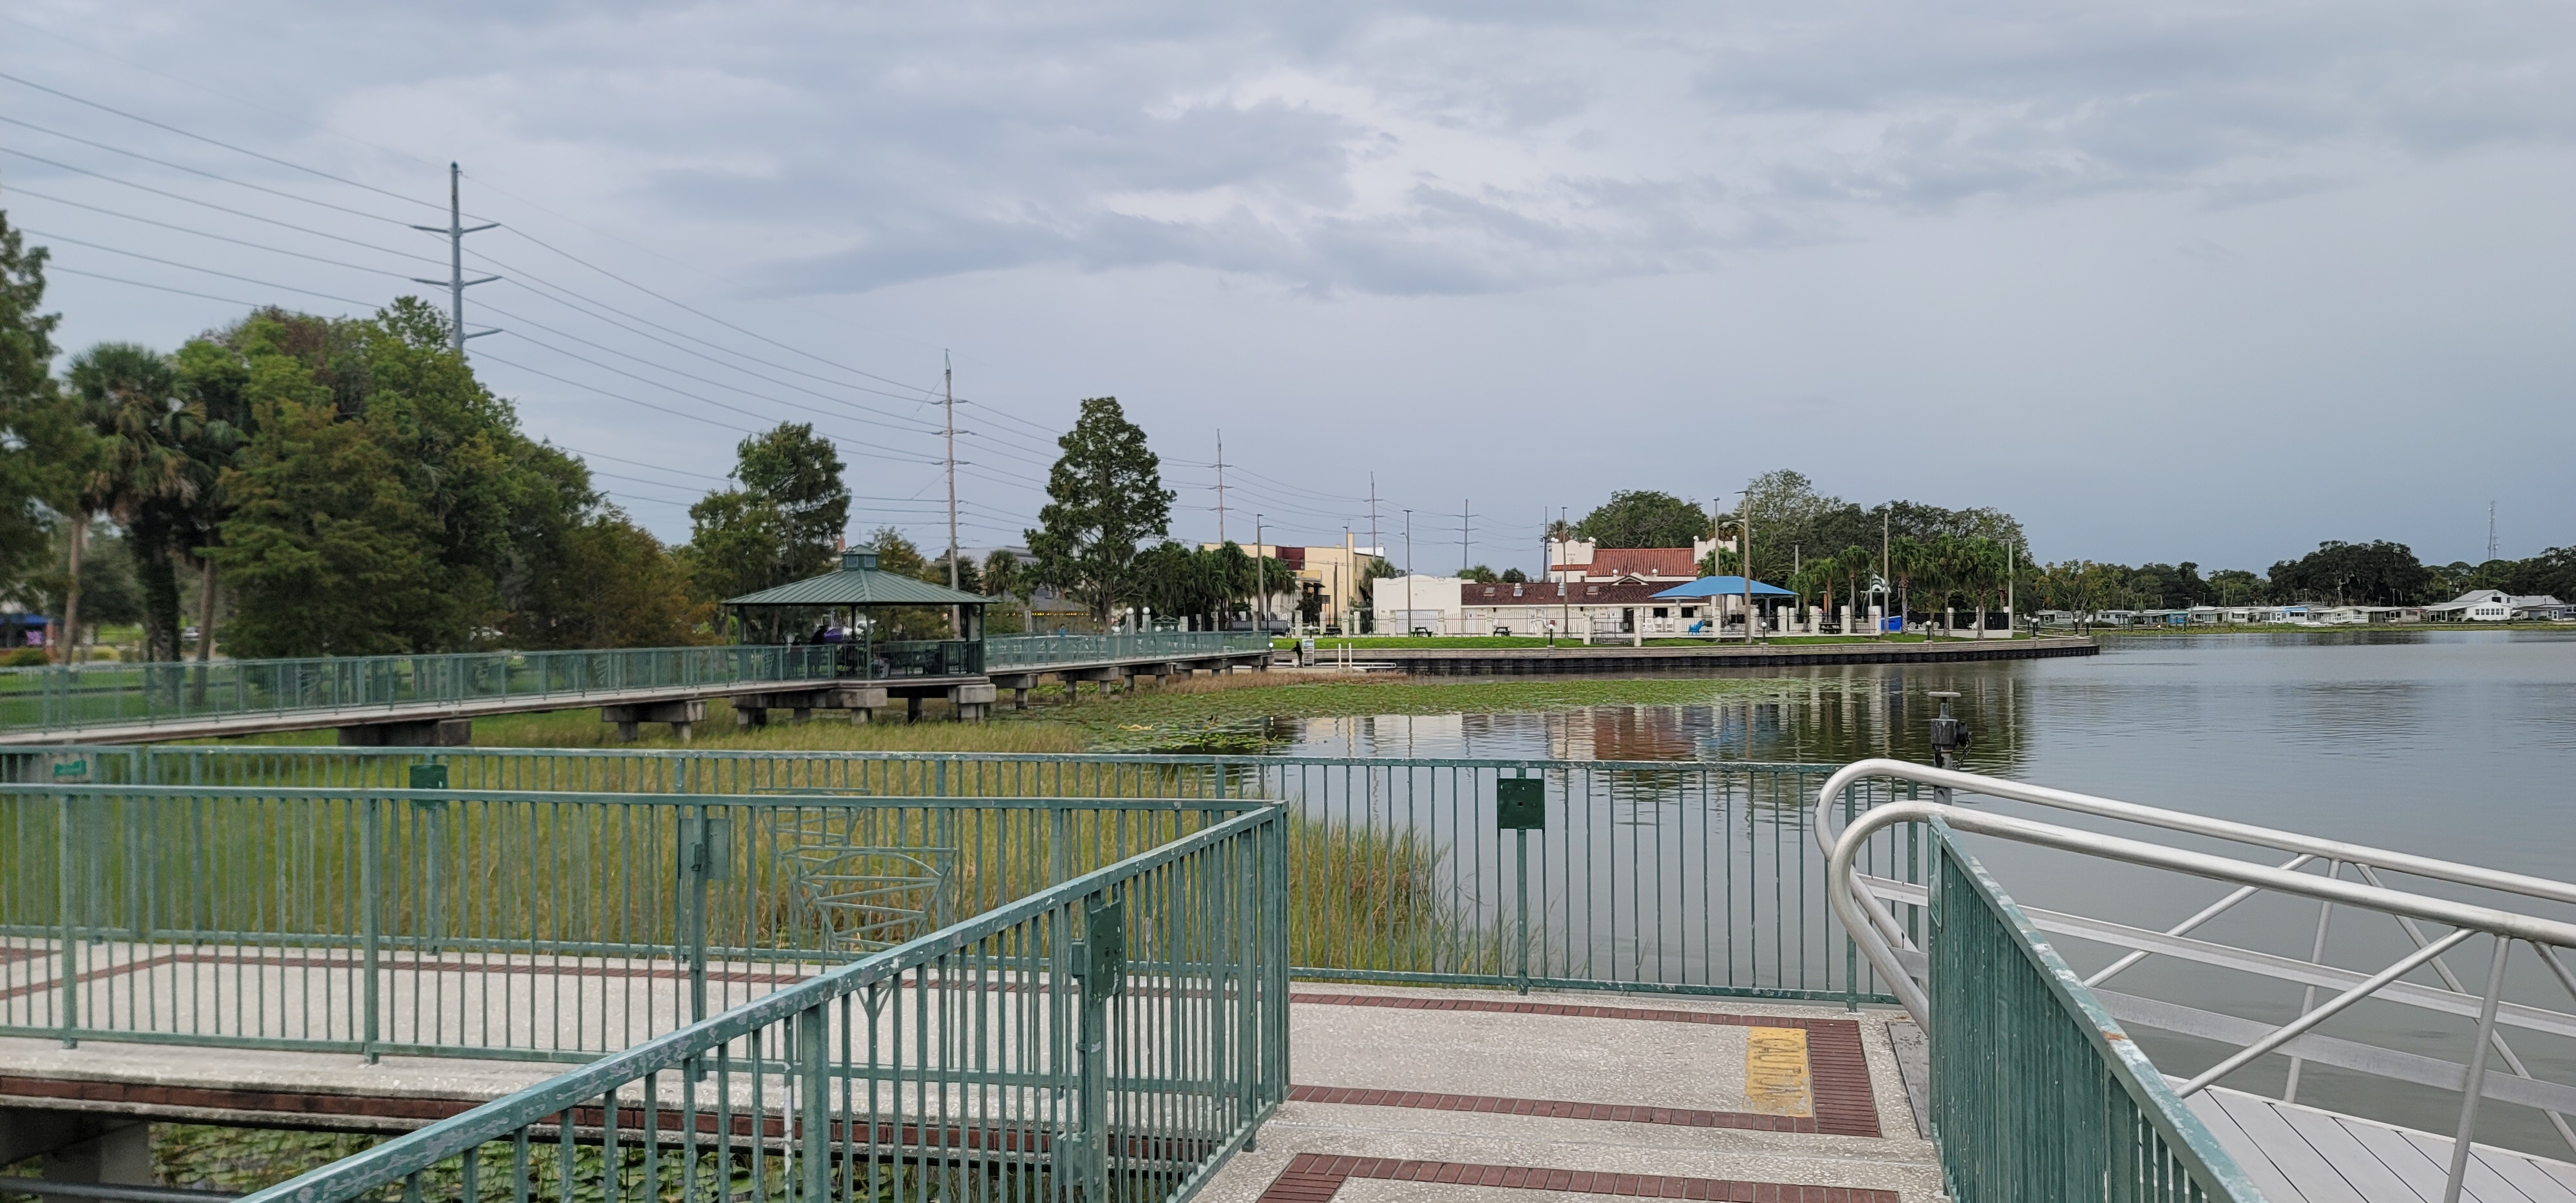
1436	148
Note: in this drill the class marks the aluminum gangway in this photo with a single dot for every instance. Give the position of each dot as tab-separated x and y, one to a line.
2370	1016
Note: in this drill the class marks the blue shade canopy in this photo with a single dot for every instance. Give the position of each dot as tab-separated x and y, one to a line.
1723	586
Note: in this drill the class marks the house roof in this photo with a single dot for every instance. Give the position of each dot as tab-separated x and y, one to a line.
1723	586
1652	563
1548	593
859	582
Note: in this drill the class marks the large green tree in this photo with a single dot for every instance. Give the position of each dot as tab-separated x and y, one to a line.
798	473
1105	504
2378	573
42	448
608	583
1644	518
782	524
384	500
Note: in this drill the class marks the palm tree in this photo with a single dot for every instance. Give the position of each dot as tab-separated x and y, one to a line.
1855	564
1817	576
1906	560
126	394
1985	561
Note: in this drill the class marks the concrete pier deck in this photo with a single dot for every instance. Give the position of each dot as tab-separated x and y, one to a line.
1490	1097
1396	1094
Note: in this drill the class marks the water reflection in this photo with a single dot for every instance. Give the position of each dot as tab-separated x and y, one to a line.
2458	743
1823	717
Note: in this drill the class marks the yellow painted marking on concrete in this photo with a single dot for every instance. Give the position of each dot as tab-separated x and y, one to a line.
1776	1078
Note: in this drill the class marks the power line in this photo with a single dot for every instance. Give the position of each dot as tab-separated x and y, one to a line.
22	190
192	267
700	399
267	158
456	220
136	154
56	163
52	268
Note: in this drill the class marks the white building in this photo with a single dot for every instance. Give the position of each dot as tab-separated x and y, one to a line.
2494	605
1401	605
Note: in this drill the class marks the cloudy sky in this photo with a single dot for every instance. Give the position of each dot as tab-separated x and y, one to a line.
2180	281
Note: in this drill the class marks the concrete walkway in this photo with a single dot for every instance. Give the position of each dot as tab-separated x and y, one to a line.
1397	1094
1490	1097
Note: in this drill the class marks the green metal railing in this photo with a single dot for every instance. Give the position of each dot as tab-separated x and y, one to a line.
2037	1093
525	925
70	698
1045	651
1114	1036
1645	876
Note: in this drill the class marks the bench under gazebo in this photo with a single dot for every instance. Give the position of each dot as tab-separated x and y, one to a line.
831	630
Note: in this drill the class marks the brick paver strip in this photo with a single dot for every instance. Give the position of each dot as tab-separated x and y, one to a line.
1316	1177
1844	1104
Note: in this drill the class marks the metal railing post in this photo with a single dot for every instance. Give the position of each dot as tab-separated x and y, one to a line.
1851	947
370	884
67	911
2308	996
2477	1071
813	1117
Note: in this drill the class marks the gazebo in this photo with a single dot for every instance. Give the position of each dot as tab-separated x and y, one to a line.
1726	596
837	625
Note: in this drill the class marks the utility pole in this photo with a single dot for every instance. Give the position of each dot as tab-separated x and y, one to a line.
1260	576
1885	572
1375	548
1462	536
456	283
1220	488
948	386
1408	545
1744	523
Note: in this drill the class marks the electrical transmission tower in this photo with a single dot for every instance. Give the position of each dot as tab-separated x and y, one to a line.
2491	534
456	283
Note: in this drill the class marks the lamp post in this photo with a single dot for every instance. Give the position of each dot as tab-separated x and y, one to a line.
1743	524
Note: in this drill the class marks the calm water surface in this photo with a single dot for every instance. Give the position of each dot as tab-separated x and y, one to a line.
2460	745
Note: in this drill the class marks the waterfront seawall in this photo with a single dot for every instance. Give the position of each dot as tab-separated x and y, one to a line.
1437	661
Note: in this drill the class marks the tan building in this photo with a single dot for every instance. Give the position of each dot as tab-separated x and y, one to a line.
1325	580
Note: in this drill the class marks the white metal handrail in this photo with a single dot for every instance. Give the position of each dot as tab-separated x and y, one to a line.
1828	831
1849	899
1876	932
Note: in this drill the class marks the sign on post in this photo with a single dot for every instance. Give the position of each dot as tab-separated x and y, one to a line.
1104	952
1520	804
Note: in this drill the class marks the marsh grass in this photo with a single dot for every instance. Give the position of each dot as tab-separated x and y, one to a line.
243	1160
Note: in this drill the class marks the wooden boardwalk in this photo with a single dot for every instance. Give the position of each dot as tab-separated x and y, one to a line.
2300	1154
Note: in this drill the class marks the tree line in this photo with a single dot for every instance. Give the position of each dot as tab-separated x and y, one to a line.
2378	573
315	486
292	485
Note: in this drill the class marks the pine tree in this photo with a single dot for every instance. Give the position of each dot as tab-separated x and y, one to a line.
1105	502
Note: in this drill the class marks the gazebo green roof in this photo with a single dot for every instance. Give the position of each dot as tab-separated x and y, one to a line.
859	583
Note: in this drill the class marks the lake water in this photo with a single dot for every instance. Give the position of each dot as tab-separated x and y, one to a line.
2460	745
